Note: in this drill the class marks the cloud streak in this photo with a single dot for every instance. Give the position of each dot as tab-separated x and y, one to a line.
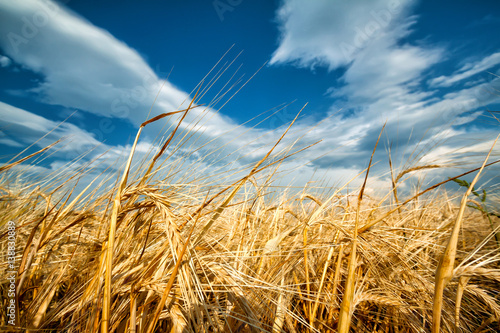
468	70
21	128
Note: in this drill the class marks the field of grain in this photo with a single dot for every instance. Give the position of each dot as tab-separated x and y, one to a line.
152	255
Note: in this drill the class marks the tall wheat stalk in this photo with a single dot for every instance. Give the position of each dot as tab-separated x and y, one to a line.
347	300
444	271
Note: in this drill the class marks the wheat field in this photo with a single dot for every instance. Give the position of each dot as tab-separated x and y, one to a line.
153	255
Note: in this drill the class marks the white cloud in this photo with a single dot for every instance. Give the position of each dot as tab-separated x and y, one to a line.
331	33
474	147
382	75
84	66
382	82
384	69
22	128
4	61
467	71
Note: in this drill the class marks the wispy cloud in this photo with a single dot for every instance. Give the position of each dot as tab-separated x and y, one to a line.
384	80
21	128
467	70
4	61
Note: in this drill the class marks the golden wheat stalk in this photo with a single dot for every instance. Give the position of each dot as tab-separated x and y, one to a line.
347	300
444	271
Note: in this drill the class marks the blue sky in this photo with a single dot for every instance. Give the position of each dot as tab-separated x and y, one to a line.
428	69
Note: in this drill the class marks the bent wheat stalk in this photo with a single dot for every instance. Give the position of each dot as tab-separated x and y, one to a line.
444	271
